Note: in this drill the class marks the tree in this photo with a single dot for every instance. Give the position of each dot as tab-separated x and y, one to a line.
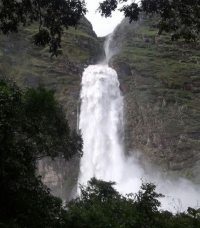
52	16
32	125
181	18
100	205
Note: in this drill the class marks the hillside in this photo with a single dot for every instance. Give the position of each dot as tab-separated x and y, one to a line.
160	80
30	66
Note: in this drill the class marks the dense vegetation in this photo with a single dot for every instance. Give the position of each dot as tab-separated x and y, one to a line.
51	16
100	206
30	66
32	126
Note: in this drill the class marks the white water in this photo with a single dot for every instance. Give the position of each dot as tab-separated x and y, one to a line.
101	119
101	125
107	48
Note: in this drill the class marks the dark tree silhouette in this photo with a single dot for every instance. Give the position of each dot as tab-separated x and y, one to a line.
32	126
181	18
52	17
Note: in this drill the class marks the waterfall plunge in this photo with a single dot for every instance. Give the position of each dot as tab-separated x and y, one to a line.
101	121
101	125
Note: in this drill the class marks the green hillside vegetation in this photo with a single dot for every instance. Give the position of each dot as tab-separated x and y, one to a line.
33	126
173	63
160	80
30	66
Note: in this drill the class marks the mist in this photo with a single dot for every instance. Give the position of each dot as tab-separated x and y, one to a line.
179	193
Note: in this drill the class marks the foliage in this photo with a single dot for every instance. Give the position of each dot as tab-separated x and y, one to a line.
52	17
48	130
147	199
32	125
179	17
100	205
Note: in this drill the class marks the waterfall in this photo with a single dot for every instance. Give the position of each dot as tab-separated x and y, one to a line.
101	121
107	48
101	126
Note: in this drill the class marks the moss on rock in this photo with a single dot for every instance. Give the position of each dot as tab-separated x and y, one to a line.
160	80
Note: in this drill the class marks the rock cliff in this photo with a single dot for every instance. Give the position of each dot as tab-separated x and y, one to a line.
30	66
160	80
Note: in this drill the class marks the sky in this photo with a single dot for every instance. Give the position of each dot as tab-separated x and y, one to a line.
102	26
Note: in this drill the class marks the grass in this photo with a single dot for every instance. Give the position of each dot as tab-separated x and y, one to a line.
171	63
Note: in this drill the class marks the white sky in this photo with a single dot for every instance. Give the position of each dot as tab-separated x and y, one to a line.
101	25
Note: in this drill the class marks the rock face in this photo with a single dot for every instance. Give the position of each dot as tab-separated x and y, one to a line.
160	80
30	66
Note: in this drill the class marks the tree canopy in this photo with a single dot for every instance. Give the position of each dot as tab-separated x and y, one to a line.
181	18
32	126
100	205
52	16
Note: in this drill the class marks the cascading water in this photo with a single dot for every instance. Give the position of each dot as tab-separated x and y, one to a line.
107	43
101	121
101	125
